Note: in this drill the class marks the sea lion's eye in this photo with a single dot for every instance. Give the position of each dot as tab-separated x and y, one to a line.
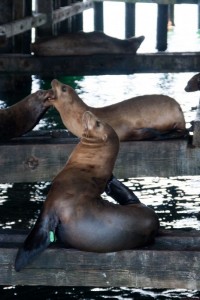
98	123
64	88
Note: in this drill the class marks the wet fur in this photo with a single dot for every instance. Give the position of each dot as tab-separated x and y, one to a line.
148	117
75	210
22	117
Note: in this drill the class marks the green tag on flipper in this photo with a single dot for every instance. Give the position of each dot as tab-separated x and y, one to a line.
51	236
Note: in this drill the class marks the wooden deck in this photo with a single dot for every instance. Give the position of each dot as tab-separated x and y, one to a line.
41	157
171	262
99	64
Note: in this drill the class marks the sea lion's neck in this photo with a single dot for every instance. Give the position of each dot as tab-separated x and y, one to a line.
99	159
71	115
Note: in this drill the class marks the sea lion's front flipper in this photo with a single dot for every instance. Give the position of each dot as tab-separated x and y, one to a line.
120	192
37	241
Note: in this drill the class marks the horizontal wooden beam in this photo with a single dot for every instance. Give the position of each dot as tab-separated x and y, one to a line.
65	12
40	159
19	26
154	1
171	262
100	64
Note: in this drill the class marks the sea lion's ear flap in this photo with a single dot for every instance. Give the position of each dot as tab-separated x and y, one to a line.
105	137
37	241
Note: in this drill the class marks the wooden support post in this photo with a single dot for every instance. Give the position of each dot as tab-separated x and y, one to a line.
129	20
162	21
98	16
171	13
13	10
21	10
45	6
196	135
198	5
6	9
66	25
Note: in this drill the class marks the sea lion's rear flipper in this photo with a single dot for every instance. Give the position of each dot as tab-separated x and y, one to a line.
154	134
37	241
120	192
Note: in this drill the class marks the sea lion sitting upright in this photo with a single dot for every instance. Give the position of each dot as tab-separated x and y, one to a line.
85	43
74	209
193	84
138	118
21	117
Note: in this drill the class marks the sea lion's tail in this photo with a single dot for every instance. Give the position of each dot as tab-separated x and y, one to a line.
37	241
135	41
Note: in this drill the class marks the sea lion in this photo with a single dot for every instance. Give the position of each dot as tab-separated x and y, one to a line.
85	43
138	118
74	210
21	117
193	84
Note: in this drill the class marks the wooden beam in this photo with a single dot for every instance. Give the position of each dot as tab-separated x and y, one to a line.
100	64
155	1
196	125
19	26
63	13
171	262
40	159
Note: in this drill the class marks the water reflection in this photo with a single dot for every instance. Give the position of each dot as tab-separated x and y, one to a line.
175	200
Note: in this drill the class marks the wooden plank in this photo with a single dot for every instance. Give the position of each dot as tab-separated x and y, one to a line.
19	26
155	1
130	19
63	13
138	268
162	21
98	16
196	124
41	159
100	64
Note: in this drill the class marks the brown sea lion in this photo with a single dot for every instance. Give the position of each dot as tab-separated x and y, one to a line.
193	84
138	118
21	117
74	209
85	43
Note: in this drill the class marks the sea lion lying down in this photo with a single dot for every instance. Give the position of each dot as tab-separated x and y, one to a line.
74	210
138	118
85	43
193	84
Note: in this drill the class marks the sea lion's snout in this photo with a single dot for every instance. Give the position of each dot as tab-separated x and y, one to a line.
51	94
187	89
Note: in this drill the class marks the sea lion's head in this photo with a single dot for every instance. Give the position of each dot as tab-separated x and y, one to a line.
41	97
97	131
61	94
193	84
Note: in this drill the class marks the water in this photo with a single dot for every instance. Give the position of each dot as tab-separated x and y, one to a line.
176	200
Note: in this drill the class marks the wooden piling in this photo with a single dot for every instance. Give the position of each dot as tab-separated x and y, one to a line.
162	21
98	16
129	20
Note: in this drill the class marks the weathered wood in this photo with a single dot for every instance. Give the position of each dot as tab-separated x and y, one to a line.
129	20
177	267
46	7
100	64
40	159
19	26
98	16
162	21
63	13
196	124
155	1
